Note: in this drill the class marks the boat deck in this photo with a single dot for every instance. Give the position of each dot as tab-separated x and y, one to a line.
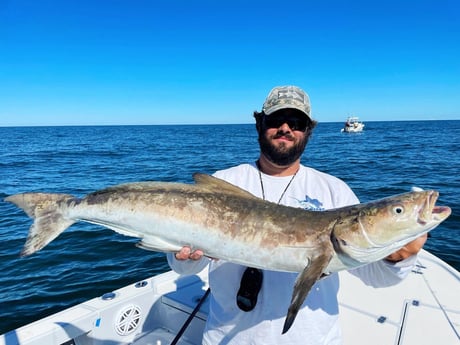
423	310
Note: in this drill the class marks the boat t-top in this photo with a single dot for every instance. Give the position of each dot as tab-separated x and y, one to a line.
353	125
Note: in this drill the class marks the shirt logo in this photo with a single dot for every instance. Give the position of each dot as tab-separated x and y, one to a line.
311	204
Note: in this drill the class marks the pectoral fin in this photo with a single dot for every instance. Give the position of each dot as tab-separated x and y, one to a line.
303	285
157	244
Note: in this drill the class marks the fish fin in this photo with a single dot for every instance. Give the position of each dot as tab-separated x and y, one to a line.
303	284
218	185
46	211
157	244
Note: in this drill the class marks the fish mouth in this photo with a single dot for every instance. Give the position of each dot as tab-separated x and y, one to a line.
429	212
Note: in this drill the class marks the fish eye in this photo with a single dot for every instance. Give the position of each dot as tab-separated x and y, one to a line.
398	210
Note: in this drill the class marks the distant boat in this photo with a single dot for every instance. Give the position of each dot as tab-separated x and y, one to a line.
353	125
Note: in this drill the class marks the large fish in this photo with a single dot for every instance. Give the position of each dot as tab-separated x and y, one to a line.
229	223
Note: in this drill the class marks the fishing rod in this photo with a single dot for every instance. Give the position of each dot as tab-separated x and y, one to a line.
190	318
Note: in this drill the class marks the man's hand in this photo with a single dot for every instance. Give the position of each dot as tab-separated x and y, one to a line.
187	254
408	250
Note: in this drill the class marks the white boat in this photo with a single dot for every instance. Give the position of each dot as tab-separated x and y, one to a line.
423	310
353	125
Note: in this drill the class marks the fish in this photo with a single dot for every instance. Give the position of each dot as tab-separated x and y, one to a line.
231	224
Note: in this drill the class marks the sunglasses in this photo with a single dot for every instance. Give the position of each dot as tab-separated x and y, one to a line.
250	285
295	122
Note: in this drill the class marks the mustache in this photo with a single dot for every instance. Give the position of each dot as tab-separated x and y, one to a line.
282	134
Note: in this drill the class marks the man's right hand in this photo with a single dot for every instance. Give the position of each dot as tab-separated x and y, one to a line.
186	253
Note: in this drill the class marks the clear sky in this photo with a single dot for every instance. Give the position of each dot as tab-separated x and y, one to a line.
95	62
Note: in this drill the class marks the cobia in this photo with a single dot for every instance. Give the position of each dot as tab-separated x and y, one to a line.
229	223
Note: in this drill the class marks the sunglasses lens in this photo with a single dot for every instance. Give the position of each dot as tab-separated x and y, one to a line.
297	124
294	122
250	285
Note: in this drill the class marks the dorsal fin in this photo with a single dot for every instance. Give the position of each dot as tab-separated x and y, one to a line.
216	184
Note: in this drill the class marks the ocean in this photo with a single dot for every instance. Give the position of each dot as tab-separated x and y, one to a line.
87	261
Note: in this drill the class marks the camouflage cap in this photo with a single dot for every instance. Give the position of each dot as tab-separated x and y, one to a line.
282	97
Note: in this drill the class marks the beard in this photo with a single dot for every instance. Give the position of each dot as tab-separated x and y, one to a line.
281	154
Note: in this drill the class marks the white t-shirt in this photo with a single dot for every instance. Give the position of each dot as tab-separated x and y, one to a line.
317	321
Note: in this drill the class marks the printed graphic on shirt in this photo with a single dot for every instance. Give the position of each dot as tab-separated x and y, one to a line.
311	204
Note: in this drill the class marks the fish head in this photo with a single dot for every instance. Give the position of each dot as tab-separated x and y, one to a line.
372	231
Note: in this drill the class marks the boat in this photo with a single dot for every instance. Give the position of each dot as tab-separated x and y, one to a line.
168	308
353	125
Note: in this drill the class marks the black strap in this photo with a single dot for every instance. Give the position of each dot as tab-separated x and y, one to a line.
190	318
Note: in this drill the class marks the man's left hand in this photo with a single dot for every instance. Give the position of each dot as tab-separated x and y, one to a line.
408	250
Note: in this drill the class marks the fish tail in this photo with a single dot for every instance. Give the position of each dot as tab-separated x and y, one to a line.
49	219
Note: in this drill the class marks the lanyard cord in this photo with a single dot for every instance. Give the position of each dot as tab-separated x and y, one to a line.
262	184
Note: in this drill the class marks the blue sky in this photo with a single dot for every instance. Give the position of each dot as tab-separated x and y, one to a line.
191	62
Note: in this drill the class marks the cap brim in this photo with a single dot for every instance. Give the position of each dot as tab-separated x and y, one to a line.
285	106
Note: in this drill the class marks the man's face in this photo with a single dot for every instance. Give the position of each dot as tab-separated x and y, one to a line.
283	136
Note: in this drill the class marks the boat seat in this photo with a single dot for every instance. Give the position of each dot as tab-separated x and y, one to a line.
187	299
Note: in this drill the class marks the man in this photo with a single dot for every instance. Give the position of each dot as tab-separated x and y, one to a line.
248	306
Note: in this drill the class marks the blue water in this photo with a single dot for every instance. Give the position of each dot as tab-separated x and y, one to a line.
87	261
